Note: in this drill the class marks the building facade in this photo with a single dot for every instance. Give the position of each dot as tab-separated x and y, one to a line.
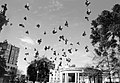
10	53
73	75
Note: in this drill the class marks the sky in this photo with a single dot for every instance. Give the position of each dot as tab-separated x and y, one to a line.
51	14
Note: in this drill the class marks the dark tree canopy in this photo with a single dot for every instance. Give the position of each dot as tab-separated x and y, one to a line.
40	69
105	36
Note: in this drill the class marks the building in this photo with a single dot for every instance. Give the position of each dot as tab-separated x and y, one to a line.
75	75
10	53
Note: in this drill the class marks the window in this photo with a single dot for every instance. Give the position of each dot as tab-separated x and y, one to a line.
71	77
63	77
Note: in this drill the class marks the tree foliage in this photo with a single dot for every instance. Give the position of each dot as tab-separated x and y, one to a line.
39	69
105	36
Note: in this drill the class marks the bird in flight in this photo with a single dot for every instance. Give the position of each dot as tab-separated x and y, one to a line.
66	24
88	12
54	31
27	6
27	32
84	33
87	3
87	18
39	41
25	18
60	28
22	25
38	25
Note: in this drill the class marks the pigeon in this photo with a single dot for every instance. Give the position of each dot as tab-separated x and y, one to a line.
62	37
26	54
44	32
51	48
87	18
62	49
54	53
88	12
87	3
70	50
60	28
66	24
21	25
27	6
60	58
38	25
50	57
27	32
25	18
25	59
64	54
34	49
71	44
66	41
68	59
39	41
55	58
86	47
84	33
78	43
76	49
25	47
45	48
60	64
36	54
54	31
11	24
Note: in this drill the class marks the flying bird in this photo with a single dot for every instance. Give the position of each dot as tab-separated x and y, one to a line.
66	24
26	54
84	33
11	24
35	49
25	59
27	32
76	49
87	18
45	48
60	28
86	47
54	31
68	59
60	64
78	43
44	32
39	41
22	25
38	25
25	47
54	53
87	3
27	6
36	54
66	41
25	18
70	50
88	12
60	58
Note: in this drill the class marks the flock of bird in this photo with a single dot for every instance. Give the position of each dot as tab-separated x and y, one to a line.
61	38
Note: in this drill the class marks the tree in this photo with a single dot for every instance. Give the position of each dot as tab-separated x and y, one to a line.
2	66
32	72
3	21
105	36
40	69
44	65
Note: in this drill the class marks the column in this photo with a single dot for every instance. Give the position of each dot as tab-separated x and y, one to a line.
66	77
